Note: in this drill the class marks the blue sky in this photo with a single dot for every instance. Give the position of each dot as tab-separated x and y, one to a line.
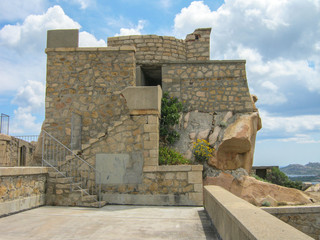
280	40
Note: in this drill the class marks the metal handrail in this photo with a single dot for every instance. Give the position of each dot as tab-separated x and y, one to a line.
54	154
28	138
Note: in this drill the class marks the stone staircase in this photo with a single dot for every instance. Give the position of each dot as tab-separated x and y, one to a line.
72	181
64	191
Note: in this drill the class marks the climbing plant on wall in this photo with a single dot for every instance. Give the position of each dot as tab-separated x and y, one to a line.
170	114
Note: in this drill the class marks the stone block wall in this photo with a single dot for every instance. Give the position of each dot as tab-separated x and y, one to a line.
13	149
209	86
86	82
157	49
161	185
198	45
304	218
21	188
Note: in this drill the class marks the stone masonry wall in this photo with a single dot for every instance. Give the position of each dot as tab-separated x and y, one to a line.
209	86
87	82
21	188
157	49
304	218
161	185
10	151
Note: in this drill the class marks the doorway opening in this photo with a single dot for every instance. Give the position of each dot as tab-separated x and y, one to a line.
149	75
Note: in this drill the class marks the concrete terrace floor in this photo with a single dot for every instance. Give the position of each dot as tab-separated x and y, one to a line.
109	222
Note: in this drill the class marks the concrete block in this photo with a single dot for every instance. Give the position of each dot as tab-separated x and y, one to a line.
64	38
143	98
194	177
119	168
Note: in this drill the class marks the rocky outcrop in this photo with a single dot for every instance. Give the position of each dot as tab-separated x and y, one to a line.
236	148
258	192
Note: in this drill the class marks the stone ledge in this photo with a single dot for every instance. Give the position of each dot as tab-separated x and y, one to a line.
292	209
18	171
22	204
173	168
235	218
92	49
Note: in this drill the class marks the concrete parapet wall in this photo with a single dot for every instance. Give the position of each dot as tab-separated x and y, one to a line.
21	188
304	218
235	218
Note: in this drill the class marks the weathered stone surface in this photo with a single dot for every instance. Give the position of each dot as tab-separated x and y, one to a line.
257	192
237	147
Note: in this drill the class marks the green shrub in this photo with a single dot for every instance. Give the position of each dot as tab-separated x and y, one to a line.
280	178
266	204
168	156
170	114
259	178
202	151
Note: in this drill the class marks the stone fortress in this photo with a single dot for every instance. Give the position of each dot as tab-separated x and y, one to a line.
100	138
104	104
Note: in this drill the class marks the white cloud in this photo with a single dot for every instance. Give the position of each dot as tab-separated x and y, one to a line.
83	3
17	9
24	122
88	40
31	34
292	124
132	31
31	96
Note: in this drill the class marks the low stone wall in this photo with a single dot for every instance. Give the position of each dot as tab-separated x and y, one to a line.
235	218
161	185
303	218
21	188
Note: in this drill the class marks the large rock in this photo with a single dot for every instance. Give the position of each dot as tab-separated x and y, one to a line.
258	192
237	146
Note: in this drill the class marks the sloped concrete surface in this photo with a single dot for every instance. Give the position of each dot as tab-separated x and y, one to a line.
109	222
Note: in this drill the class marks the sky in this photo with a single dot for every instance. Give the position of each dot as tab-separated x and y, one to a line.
279	39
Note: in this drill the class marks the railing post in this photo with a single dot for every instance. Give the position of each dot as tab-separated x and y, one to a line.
42	150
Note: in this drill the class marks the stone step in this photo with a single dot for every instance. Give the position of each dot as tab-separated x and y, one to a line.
74	186
57	174
60	180
94	204
89	198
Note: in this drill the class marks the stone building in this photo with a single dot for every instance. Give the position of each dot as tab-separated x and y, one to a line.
16	152
104	104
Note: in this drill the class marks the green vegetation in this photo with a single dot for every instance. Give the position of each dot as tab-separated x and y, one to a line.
280	178
266	204
168	156
202	151
170	114
259	178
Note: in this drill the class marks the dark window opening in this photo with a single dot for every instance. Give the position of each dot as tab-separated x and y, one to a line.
151	75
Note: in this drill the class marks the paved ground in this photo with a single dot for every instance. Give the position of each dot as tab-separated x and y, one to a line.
109	222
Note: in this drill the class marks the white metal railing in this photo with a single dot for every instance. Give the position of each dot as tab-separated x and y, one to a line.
28	138
81	174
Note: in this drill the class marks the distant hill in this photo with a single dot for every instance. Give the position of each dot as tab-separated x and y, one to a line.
297	169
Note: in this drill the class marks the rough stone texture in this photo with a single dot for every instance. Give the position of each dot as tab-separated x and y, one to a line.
20	190
156	49
11	152
237	146
193	125
209	86
86	82
257	192
161	185
304	218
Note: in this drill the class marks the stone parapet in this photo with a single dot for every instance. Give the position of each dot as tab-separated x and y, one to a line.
22	188
304	218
